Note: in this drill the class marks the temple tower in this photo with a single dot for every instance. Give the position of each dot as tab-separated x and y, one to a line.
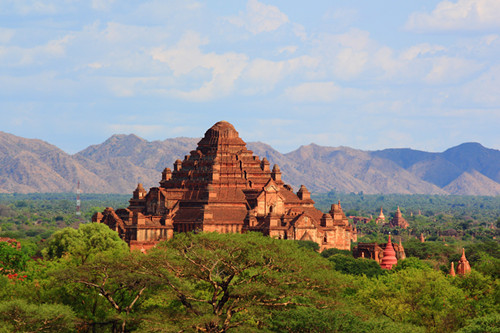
389	260
381	217
398	220
221	186
463	266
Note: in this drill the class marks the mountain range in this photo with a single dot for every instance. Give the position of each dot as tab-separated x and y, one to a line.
122	161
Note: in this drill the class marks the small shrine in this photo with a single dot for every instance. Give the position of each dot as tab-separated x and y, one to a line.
389	259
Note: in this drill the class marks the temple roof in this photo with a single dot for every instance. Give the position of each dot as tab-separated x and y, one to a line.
222	160
221	136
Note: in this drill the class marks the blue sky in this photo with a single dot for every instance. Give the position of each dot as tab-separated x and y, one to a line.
364	74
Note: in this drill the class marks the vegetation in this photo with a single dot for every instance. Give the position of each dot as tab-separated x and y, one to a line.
83	277
32	218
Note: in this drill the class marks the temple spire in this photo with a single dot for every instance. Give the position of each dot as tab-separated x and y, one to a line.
389	256
381	217
452	269
463	266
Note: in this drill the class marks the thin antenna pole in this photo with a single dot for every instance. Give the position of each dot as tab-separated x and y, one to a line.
78	202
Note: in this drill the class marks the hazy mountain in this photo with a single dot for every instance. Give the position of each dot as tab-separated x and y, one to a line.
351	170
442	169
473	183
125	160
30	165
120	162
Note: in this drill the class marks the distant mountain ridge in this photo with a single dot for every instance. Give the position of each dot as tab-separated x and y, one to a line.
122	161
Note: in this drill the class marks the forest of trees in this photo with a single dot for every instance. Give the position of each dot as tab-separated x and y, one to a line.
70	276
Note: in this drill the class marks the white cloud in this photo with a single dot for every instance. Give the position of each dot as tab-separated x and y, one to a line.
262	75
40	85
26	7
141	130
355	39
313	92
6	35
447	69
484	90
195	5
288	49
466	15
259	18
299	31
421	50
95	65
102	4
346	55
350	63
130	34
16	56
185	57
129	86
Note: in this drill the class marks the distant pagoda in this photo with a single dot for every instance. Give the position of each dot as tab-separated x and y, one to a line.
463	266
399	221
381	217
389	260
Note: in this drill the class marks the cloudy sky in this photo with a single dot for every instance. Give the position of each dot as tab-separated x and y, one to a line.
364	74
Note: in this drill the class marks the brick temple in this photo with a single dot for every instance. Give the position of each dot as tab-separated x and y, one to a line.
398	220
222	187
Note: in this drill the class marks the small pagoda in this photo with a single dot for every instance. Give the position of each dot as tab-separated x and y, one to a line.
381	217
398	220
389	259
463	266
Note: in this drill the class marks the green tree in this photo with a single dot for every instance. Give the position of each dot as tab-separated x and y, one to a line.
12	260
486	324
116	279
330	252
360	266
417	296
412	262
216	282
309	320
84	242
308	245
312	320
482	293
21	316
